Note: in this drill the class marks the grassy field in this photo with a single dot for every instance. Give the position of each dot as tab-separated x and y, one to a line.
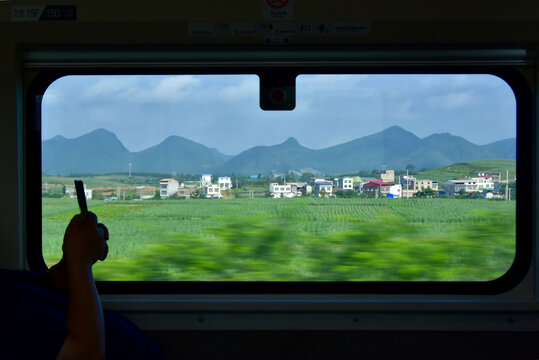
301	239
110	181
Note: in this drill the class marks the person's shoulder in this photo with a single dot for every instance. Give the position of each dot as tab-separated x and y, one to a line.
32	322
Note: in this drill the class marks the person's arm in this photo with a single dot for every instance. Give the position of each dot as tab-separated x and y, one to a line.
84	244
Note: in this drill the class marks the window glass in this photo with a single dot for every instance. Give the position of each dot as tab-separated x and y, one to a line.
139	142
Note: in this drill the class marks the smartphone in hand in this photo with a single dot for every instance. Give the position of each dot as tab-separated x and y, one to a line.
81	196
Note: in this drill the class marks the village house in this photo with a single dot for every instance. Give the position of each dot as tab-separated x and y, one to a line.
388	176
307	189
205	180
224	183
379	188
424	184
323	188
279	191
212	191
469	185
70	191
346	183
319	178
411	185
456	186
496	177
407	183
299	188
185	191
485	183
167	187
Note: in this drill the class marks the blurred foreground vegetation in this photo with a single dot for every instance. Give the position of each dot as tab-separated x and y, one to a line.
304	239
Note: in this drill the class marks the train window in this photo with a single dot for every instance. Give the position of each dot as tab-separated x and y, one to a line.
384	179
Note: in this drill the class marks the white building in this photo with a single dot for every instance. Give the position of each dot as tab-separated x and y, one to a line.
167	187
485	182
394	191
454	187
70	191
213	191
321	187
205	180
346	183
278	191
224	183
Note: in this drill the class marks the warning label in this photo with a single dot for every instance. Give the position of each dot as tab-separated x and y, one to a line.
279	32
278	9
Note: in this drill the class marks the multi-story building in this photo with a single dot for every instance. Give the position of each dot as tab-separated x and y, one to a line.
378	188
167	187
346	183
419	185
323	188
456	186
485	183
496	177
411	185
205	180
388	176
186	191
212	191
224	183
278	191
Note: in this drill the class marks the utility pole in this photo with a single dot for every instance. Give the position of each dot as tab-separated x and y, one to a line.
407	185
129	168
507	185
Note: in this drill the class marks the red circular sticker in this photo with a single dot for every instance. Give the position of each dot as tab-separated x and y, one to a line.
277	4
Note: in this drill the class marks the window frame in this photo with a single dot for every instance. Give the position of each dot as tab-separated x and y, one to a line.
525	168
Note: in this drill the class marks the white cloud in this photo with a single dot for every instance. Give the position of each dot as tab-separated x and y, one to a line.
131	89
246	89
107	87
452	101
316	83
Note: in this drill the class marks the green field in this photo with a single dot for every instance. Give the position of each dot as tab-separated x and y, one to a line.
301	239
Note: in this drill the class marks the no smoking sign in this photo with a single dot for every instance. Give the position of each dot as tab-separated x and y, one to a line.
278	9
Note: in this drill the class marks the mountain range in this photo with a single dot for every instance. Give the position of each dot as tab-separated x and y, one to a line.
101	152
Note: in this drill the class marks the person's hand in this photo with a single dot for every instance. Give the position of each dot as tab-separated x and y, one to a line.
85	240
98	248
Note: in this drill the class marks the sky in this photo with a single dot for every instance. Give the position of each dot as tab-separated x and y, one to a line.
222	111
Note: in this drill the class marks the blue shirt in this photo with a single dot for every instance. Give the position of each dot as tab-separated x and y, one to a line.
33	316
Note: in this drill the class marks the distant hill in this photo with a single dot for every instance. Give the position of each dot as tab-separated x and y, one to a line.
101	152
393	147
370	152
176	155
265	159
98	152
